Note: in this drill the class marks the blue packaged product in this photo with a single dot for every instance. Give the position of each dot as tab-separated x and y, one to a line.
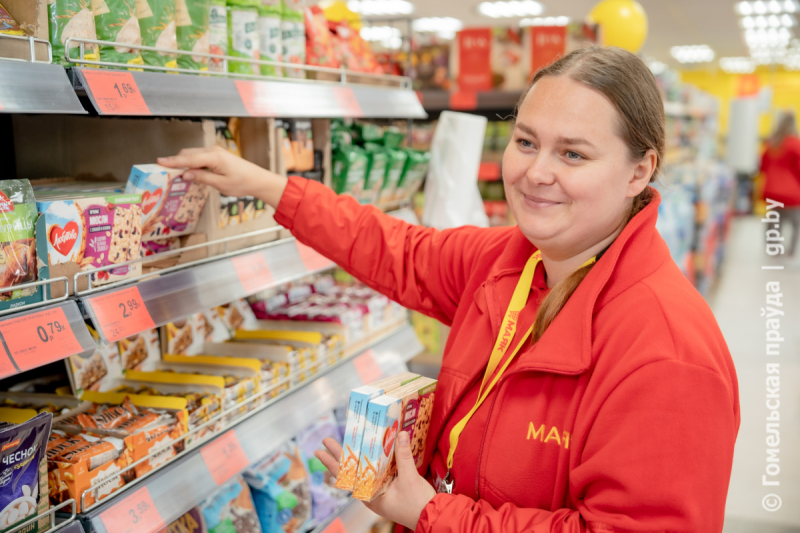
230	509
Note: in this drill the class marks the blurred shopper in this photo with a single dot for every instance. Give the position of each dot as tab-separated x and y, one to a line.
780	165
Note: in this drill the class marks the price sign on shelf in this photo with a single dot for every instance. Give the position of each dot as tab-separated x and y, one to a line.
368	370
256	98
36	339
312	259
224	457
252	271
115	92
133	514
347	101
121	314
337	526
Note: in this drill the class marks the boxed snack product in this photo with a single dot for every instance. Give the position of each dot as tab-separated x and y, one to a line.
231	509
281	491
405	409
89	231
157	23
191	19
243	35
356	424
325	497
161	245
8	25
314	346
71	18
17	243
187	336
269	36
217	34
171	206
277	362
238	315
141	351
97	370
116	21
23	474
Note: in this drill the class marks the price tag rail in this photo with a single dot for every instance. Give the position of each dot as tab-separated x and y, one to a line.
186	480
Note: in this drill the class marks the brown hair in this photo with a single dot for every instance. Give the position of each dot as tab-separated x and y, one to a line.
786	127
631	88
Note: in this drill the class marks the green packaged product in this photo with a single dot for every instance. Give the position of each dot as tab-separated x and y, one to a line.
115	20
293	38
349	169
366	132
191	20
393	138
377	157
17	239
217	34
157	21
243	35
394	170
414	171
71	18
269	36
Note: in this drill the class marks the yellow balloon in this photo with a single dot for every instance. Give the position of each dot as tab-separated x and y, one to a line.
623	22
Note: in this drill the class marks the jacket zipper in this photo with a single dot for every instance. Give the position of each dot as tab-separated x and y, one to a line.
483	440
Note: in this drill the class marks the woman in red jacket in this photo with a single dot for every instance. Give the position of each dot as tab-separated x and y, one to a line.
585	384
780	165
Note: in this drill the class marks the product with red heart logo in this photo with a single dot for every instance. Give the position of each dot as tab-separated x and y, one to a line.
171	205
17	242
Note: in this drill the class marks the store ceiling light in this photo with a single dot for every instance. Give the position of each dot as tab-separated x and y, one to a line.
692	54
370	8
544	21
444	27
773	7
379	33
737	65
514	8
657	67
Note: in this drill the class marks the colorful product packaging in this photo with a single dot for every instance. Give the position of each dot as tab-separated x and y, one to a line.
189	522
269	36
116	21
17	243
23	468
90	232
171	206
192	30
71	18
187	336
277	362
394	170
319	41
414	172
8	25
243	35
217	34
141	351
376	170
293	38
238	315
349	170
97	370
405	409
357	421
313	346
231	509
157	23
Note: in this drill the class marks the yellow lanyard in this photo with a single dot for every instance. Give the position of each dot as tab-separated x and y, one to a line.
507	330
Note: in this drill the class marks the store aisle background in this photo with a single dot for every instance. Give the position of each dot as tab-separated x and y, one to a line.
737	303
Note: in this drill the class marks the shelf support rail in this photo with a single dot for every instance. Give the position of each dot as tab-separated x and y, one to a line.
45	299
51	513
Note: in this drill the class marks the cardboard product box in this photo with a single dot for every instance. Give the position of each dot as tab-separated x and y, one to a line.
187	336
141	351
407	408
356	424
97	370
87	232
31	16
322	350
280	364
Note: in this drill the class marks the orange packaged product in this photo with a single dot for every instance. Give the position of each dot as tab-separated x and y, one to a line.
108	418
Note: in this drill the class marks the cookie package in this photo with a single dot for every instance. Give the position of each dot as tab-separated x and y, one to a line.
231	509
171	206
17	243
405	409
356	422
87	232
95	370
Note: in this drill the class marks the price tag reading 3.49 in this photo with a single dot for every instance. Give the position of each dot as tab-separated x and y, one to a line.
121	314
134	514
39	338
115	92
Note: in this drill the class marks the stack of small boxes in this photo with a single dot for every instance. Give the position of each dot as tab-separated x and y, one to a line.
376	414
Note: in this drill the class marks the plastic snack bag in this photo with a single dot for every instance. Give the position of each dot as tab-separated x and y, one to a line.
191	19
115	20
243	35
8	25
269	36
17	237
217	34
157	21
231	509
71	18
319	42
293	38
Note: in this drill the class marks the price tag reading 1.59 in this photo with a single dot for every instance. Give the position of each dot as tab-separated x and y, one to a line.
121	314
39	338
133	514
115	92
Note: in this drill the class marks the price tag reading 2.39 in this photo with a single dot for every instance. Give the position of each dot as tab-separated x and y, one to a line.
121	314
133	514
39	338
115	92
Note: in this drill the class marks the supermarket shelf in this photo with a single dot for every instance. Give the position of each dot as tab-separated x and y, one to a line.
188	480
215	281
355	518
435	101
36	88
167	95
67	525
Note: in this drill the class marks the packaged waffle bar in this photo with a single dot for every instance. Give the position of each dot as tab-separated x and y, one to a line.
23	468
356	424
405	409
278	363
39	402
95	370
238	315
299	361
187	336
141	351
324	350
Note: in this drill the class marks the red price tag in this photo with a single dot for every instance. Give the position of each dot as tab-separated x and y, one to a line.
39	338
134	514
121	314
368	370
312	259
253	272
348	102
337	526
256	98
224	457
464	100
116	92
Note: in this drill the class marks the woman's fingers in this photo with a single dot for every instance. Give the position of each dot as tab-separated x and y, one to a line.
334	447
208	157
330	458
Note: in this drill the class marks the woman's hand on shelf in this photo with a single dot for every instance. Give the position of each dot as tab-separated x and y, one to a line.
408	494
229	174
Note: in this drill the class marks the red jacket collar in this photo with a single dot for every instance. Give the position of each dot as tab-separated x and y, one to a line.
566	347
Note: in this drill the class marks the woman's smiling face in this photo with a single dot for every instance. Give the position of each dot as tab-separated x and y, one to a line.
568	175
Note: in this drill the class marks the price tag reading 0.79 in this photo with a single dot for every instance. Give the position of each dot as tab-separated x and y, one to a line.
133	514
39	338
121	314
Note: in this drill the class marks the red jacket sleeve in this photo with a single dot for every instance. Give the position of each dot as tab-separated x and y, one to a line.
645	466
421	268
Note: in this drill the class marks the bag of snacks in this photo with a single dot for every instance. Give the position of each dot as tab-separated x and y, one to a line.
243	35
71	18
269	36
191	20
17	238
157	21
23	468
217	34
293	38
115	20
319	42
231	509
